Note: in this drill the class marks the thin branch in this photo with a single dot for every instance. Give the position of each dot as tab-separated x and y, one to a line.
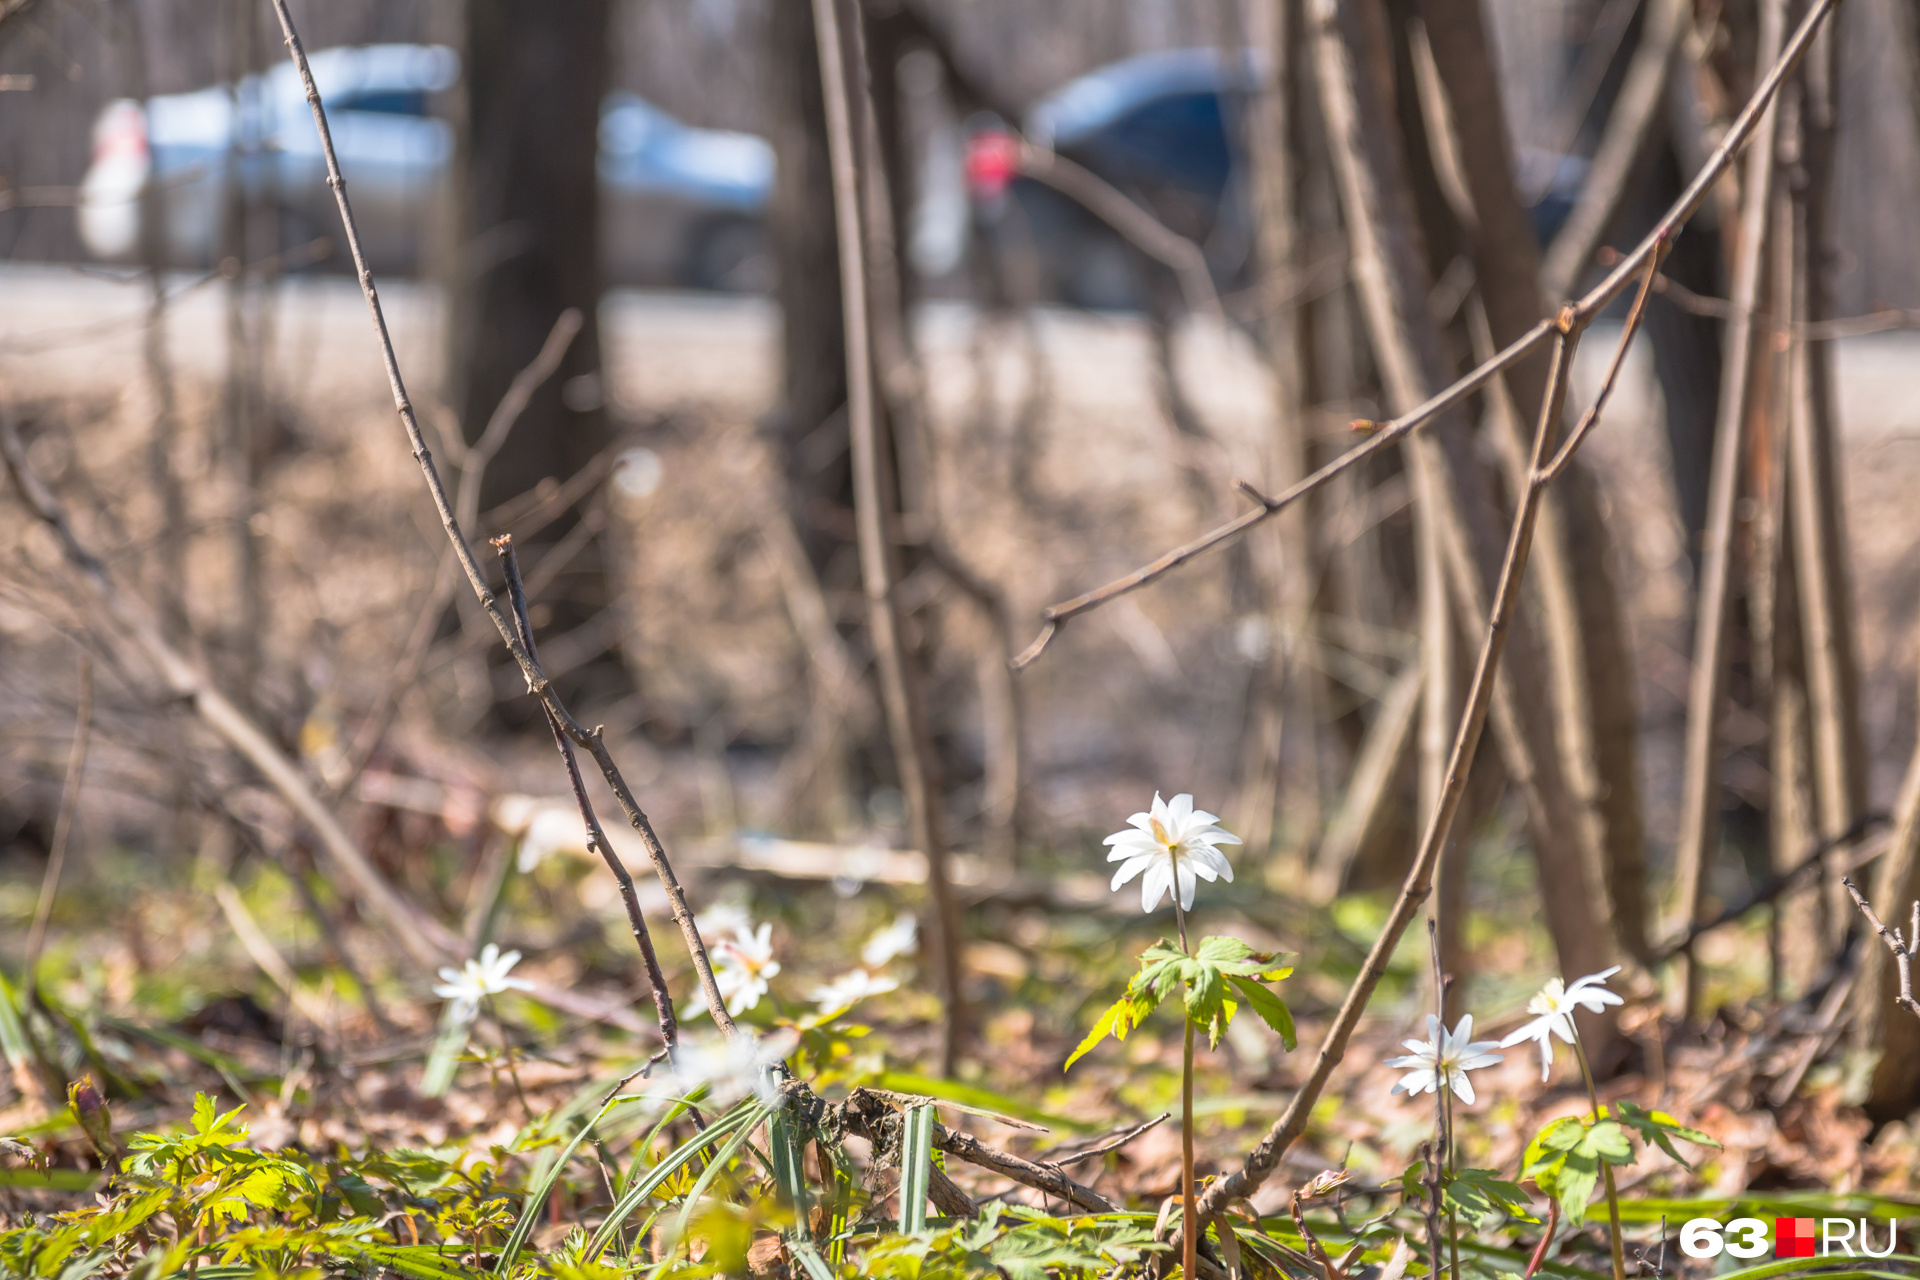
1113	1143
537	682
1775	885
1902	948
1590	304
475	457
1699	833
1142	230
1267	1154
471	461
840	75
1631	127
1047	1178
1563	459
424	938
62	825
596	837
134	637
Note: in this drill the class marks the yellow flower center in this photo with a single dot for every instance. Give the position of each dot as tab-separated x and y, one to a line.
1160	832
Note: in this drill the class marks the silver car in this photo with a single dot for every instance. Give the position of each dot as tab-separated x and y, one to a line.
681	205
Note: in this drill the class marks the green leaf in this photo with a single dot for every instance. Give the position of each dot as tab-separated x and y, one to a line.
1559	1136
1606	1140
1120	1018
1571	1183
1483	1198
1271	1009
1222	951
1206	993
1236	957
1660	1129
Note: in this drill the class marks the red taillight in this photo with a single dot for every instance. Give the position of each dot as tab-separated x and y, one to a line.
993	162
120	131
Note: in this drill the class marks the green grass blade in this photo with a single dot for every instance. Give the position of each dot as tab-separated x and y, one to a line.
980	1102
537	1193
916	1168
1848	1268
811	1262
449	1042
735	1122
715	1166
13	1032
784	1147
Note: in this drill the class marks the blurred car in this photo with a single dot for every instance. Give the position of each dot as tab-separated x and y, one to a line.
1158	127
681	205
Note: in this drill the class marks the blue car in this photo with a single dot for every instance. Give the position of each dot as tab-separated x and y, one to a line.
682	206
1158	127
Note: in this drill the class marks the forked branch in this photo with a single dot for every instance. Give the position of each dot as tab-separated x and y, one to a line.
1566	328
1902	947
1626	270
537	682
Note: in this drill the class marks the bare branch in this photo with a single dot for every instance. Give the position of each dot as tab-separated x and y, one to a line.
1590	304
424	938
1141	229
537	682
1902	948
1699	833
842	74
62	825
1563	459
596	837
1630	127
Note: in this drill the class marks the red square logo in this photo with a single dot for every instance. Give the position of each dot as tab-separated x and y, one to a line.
1793	1237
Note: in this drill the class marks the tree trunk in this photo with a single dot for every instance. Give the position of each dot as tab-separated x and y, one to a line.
1352	45
810	422
529	221
1584	619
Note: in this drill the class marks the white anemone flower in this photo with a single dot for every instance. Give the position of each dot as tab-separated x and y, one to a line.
723	918
731	1068
1442	1060
741	966
901	938
1554	1008
477	979
849	989
1174	844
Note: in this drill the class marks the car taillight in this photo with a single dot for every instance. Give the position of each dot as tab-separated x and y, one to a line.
993	162
120	131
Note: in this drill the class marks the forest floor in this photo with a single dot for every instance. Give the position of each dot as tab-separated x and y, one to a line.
1056	467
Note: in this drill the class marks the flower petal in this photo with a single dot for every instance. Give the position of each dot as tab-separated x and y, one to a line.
1156	882
1133	867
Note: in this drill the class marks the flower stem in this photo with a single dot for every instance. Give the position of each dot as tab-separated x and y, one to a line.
1179	912
1606	1170
1453	1216
1189	1224
1189	1219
